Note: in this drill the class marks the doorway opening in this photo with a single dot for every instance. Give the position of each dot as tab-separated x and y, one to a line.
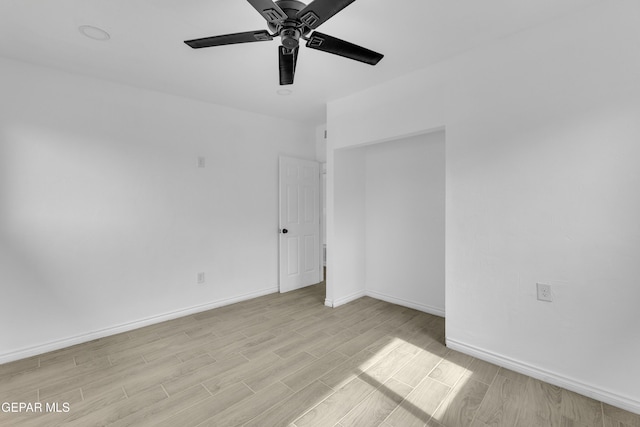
387	224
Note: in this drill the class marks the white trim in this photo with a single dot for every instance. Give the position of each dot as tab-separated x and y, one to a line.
406	303
383	297
588	390
393	138
125	327
344	300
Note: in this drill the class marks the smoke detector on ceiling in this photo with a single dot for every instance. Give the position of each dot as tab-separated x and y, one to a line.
94	33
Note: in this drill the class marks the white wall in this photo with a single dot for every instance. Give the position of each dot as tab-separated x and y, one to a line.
105	219
384	114
405	226
349	200
542	186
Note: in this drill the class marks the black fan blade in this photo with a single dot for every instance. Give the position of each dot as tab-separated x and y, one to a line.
336	46
287	59
319	11
269	10
246	37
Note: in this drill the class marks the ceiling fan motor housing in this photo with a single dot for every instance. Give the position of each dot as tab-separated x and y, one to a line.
289	37
291	29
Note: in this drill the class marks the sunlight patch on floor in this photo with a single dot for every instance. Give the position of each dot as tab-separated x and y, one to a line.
432	395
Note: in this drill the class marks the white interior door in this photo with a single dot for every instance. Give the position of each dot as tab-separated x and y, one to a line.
299	223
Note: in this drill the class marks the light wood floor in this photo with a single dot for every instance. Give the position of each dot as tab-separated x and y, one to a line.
283	360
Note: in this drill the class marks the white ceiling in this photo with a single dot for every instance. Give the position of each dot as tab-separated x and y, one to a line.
146	48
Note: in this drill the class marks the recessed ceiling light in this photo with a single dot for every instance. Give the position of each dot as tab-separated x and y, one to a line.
284	92
94	33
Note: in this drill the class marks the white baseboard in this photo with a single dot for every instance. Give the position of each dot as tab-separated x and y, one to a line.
547	376
406	303
344	300
125	327
383	297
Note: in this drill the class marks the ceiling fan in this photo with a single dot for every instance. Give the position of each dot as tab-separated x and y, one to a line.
292	20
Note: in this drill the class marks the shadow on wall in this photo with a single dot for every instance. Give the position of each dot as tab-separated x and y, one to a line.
36	298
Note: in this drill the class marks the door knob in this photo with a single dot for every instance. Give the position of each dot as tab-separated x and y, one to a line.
285	231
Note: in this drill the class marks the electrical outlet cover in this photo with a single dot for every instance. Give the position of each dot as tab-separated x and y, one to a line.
544	292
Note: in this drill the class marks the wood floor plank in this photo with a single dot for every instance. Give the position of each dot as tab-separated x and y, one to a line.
174	345
541	405
388	365
581	409
13	368
620	415
356	344
249	408
513	376
482	371
333	408
326	345
127	348
276	326
314	370
134	384
419	405
121	409
298	404
205	409
425	338
503	403
95	404
612	422
239	373
300	344
451	368
95	384
57	360
205	373
461	404
268	346
72	397
201	346
164	409
79	379
242	345
376	407
418	368
48	375
401	317
330	324
348	370
278	370
568	422
230	325
438	348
